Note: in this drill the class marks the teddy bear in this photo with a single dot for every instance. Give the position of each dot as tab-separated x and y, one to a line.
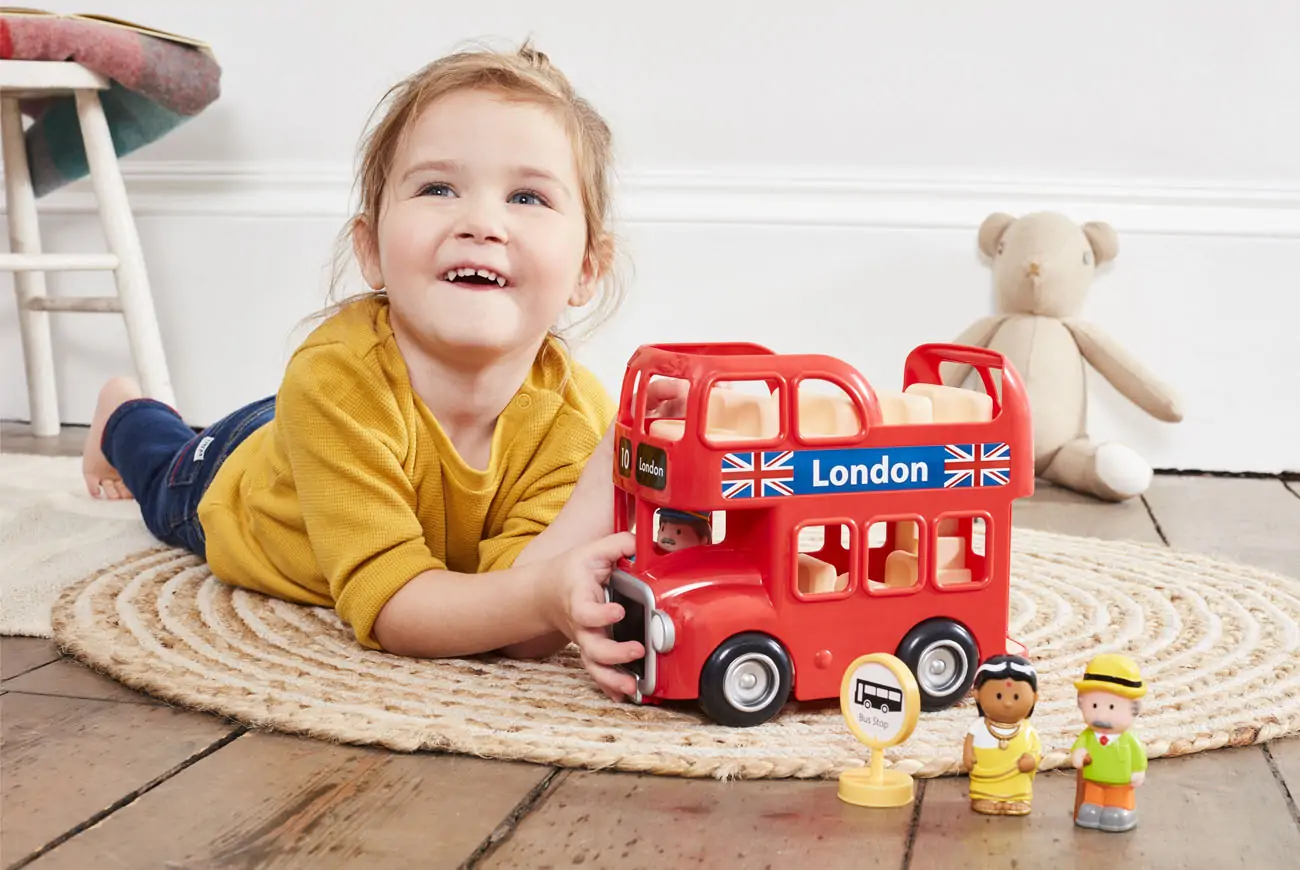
1043	265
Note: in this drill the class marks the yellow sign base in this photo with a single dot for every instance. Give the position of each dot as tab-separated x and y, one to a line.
865	787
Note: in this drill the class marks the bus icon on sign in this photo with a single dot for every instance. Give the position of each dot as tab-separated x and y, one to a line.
883	698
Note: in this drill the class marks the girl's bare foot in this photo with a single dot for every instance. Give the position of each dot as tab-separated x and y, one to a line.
102	480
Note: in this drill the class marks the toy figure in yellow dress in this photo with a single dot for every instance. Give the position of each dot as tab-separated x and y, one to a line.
1002	750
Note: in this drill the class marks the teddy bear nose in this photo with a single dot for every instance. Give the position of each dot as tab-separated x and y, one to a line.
1033	269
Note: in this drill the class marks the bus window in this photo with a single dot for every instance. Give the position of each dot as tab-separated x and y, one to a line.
681	529
740	412
665	409
960	545
824	559
825	411
624	511
894	553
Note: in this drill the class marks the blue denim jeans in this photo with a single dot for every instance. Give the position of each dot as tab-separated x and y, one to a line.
168	467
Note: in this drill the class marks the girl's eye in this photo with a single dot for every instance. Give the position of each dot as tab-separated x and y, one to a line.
526	197
1016	696
436	189
999	696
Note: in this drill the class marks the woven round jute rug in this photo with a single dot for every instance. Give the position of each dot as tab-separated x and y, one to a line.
1216	642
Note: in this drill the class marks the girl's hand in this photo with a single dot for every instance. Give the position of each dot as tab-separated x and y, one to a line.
575	605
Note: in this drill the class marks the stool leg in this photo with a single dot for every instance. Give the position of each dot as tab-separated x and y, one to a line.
119	229
25	238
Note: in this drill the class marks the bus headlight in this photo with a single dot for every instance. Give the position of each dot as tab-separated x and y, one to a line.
662	633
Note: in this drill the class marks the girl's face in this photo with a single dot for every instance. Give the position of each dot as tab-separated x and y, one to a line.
1006	700
482	237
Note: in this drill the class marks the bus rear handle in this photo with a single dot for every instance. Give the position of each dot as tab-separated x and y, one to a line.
922	366
932	354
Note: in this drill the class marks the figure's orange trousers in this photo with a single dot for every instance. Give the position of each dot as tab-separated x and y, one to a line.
1108	795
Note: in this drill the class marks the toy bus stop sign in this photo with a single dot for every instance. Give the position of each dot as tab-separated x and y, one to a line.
881	703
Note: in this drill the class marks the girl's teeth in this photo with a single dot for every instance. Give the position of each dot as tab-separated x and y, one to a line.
453	274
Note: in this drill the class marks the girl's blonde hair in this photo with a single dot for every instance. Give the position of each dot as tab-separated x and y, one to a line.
526	75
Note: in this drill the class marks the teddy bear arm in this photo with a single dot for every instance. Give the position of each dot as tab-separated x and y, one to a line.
1133	380
978	334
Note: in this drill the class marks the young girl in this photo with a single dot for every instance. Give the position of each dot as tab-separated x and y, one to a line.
433	429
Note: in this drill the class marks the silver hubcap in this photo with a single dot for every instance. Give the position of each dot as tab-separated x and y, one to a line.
751	682
942	668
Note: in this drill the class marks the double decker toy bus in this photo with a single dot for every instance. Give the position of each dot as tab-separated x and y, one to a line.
790	518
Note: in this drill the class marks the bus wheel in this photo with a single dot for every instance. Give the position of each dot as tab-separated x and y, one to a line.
942	655
746	681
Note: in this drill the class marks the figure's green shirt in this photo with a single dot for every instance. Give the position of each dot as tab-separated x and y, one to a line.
1116	762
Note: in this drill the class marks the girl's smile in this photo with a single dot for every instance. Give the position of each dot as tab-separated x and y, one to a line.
472	275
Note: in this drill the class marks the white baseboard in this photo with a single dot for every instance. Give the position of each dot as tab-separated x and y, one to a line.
860	266
768	197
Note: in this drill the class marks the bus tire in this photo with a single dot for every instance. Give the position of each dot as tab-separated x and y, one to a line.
943	657
746	680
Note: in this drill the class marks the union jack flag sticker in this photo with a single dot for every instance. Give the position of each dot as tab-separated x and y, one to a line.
757	474
977	464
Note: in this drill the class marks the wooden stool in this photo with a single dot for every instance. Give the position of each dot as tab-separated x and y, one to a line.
21	79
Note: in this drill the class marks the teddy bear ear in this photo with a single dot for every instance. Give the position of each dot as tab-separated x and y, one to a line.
1104	241
991	231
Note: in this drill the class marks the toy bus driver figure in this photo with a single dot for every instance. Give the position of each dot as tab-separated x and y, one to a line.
1110	759
681	529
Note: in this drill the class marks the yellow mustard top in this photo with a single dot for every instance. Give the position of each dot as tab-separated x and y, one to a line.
353	489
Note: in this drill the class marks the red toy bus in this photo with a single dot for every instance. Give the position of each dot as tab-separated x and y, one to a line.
790	518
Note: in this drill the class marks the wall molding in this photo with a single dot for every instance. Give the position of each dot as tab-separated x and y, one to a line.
756	197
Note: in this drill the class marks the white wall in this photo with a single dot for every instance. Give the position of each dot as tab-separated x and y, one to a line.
812	181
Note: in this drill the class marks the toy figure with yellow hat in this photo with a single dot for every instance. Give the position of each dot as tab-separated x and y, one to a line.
1111	761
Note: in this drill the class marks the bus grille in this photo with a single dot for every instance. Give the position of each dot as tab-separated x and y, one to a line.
632	626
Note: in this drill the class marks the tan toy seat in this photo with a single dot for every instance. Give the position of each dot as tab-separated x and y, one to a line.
817	577
738	416
899	409
732	416
835	416
826	416
949	555
954	404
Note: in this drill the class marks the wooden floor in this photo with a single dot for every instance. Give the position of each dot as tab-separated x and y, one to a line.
96	775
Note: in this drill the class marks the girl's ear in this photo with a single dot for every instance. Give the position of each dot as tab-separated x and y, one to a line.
366	247
593	267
